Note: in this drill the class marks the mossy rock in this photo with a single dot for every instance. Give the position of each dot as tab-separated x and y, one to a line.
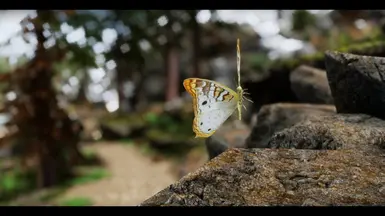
170	144
163	138
133	120
118	127
372	47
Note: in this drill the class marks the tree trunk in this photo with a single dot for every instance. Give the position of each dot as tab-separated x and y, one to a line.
81	96
196	46
123	71
172	68
139	94
42	115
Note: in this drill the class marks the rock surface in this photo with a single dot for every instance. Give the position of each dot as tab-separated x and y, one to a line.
333	159
310	85
276	117
215	146
333	132
282	177
229	135
357	83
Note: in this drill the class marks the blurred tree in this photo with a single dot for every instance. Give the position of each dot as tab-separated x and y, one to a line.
163	30
45	131
302	19
196	39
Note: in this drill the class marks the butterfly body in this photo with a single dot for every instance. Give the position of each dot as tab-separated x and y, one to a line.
214	103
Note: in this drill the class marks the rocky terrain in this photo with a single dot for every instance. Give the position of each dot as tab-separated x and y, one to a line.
321	144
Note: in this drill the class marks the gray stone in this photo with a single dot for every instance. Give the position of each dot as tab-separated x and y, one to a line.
357	83
276	117
310	85
281	177
332	132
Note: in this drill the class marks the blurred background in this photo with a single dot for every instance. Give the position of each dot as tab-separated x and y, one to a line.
93	110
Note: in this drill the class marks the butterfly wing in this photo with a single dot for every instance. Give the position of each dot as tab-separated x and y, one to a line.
213	104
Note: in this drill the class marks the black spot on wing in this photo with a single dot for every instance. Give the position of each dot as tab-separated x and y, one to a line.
204	103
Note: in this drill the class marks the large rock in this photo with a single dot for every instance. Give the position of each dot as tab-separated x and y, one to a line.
276	117
310	85
352	175
230	135
282	177
333	132
338	160
357	83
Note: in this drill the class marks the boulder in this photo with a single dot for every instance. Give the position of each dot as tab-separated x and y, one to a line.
232	134
353	174
310	85
272	177
315	155
332	132
357	83
276	117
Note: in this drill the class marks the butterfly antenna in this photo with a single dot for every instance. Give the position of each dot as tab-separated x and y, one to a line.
238	62
248	99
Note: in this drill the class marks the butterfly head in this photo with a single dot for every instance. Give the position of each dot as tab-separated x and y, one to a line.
240	93
242	96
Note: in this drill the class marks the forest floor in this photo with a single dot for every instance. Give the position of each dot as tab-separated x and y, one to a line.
129	174
133	176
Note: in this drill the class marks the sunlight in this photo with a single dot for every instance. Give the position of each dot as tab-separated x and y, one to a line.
97	74
203	16
162	21
109	36
75	35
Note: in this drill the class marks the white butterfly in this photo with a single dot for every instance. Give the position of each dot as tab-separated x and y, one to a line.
213	102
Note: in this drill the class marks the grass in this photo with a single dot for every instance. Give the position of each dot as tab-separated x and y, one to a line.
76	201
15	182
88	175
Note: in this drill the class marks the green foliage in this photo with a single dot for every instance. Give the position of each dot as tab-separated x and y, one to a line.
89	175
367	46
15	182
168	124
5	67
77	201
259	61
302	19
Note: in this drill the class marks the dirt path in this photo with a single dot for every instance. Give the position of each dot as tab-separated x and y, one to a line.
134	176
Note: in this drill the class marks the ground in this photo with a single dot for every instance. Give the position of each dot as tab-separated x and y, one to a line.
133	178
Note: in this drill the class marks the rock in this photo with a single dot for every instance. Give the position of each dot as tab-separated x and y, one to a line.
110	134
215	146
274	88
310	85
276	117
194	159
125	126
163	140
271	177
357	83
230	135
332	132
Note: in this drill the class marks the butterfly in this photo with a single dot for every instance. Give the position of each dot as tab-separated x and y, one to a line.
214	103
